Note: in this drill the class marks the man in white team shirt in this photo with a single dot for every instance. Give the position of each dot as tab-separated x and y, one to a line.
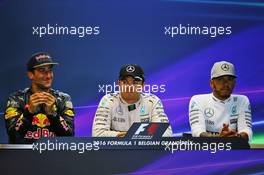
221	113
118	111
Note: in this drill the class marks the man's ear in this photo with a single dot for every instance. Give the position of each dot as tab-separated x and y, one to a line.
212	84
119	82
30	75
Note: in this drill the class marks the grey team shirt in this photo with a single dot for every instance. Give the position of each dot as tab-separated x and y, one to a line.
208	114
113	116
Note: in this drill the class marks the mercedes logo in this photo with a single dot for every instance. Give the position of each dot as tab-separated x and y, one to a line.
209	112
119	110
130	68
225	67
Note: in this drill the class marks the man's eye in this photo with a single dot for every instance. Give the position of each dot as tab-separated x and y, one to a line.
44	70
220	79
41	70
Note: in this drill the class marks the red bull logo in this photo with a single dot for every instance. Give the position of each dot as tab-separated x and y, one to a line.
41	120
39	133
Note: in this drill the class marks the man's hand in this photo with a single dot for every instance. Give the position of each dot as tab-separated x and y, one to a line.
49	102
227	132
39	98
243	135
121	134
208	134
35	100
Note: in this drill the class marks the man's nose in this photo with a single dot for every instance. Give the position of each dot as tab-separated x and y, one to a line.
48	73
226	82
130	83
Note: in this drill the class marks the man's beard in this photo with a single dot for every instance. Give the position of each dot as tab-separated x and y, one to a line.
218	92
129	96
42	87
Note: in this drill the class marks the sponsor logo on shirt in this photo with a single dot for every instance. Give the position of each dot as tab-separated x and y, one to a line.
234	110
39	133
209	112
119	110
40	120
193	105
120	120
142	110
209	122
10	112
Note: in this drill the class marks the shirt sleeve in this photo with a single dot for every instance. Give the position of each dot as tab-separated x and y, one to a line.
158	115
17	118
102	120
196	118
244	123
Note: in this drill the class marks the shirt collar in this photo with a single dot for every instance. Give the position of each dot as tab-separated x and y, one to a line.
221	101
124	102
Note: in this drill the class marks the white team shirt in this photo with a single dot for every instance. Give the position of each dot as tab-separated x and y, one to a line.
113	115
208	114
